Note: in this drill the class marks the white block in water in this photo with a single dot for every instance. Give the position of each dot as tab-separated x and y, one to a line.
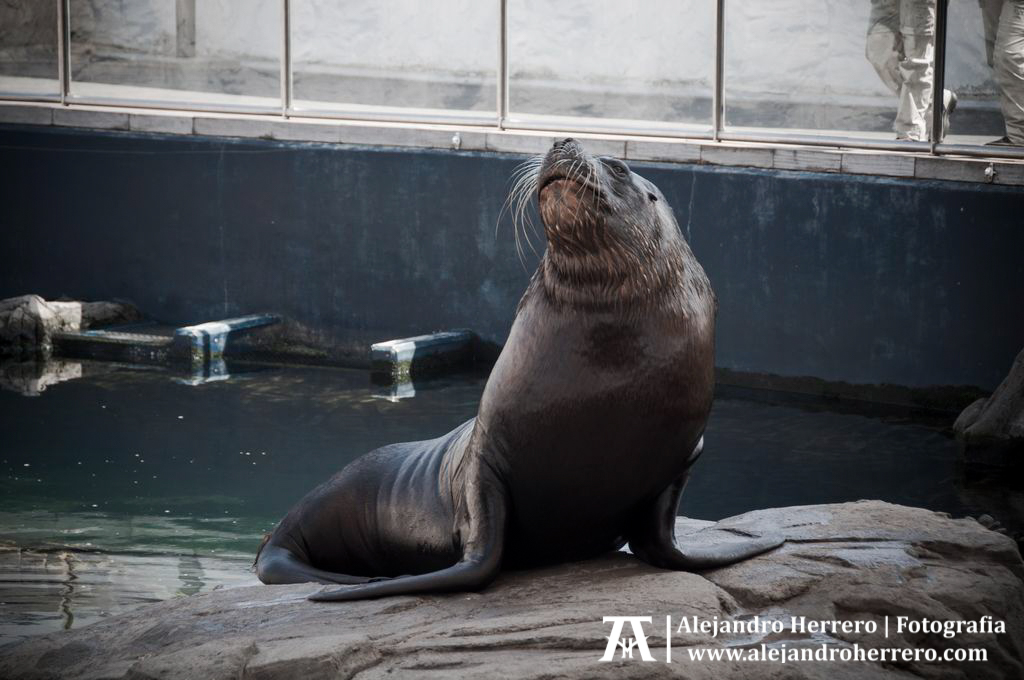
401	357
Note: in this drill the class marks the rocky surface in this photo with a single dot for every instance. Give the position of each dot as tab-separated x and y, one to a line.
28	322
856	561
998	420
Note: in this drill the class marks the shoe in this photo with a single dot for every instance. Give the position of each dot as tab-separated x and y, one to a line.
951	103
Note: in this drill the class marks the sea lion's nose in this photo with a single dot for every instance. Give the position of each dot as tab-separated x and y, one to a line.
562	143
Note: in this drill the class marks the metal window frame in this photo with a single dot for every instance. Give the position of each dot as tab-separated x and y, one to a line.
63	41
286	58
718	95
499	119
502	75
939	73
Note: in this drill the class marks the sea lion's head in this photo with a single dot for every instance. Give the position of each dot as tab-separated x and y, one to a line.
590	203
608	230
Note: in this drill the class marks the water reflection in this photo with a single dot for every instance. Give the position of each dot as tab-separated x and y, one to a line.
69	588
44	591
190	573
32	378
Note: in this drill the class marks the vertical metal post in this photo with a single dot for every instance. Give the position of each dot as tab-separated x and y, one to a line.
502	63
717	98
185	28
286	59
939	75
63	47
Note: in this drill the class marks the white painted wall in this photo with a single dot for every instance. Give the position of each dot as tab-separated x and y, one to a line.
237	29
605	41
137	25
453	35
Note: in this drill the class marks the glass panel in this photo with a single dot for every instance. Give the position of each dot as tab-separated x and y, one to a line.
612	60
353	54
835	67
28	48
222	53
985	67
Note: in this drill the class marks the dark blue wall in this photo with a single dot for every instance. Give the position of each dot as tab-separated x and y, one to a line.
835	276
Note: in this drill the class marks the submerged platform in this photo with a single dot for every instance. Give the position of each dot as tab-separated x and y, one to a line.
191	347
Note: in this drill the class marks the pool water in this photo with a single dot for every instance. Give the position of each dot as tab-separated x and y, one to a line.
124	486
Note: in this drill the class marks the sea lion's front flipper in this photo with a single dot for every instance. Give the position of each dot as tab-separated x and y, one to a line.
652	537
482	523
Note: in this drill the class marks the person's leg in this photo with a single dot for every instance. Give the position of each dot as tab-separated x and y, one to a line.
883	45
917	68
1008	62
990	11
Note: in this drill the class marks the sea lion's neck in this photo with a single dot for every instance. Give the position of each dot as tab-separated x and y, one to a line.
609	279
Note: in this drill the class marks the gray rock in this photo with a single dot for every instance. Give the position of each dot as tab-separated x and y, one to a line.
28	322
855	561
107	313
1000	418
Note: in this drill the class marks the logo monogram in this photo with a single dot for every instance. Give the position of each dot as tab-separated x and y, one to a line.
617	641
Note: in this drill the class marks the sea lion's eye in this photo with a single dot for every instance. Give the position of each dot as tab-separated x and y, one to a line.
620	169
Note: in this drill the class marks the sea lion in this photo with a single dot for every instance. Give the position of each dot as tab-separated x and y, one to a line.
587	428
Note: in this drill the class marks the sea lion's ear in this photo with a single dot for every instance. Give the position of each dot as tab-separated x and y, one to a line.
651	196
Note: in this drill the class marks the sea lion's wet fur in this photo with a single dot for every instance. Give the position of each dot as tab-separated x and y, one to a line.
587	427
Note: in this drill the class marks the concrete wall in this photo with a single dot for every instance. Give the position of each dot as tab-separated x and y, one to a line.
24	24
840	277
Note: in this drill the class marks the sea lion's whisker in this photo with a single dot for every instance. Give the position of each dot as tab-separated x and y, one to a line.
523	180
523	170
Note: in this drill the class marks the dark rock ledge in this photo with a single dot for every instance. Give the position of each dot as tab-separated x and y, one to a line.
992	429
853	561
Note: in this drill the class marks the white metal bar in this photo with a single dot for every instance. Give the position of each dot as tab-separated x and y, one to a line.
63	50
638	129
939	72
987	152
717	96
30	98
171	106
396	114
502	63
286	58
833	141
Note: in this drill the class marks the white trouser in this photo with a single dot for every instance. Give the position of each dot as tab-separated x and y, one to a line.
1004	47
901	47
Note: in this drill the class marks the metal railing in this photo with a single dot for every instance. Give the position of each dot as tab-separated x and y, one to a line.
501	118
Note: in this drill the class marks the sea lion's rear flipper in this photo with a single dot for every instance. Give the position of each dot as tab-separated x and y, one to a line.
483	525
652	537
278	566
